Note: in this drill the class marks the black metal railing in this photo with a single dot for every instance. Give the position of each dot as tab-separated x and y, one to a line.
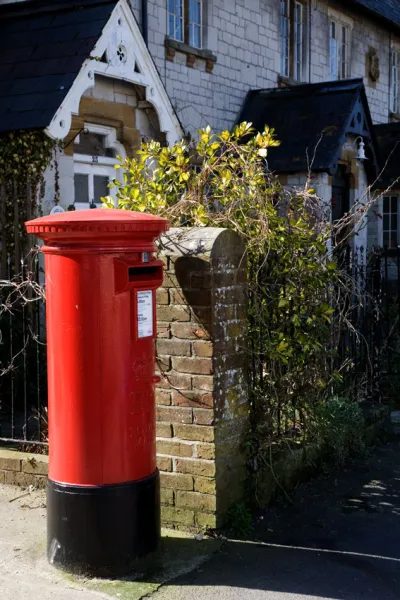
363	358
369	348
23	378
371	345
387	341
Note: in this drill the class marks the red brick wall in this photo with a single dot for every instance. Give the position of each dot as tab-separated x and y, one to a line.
202	397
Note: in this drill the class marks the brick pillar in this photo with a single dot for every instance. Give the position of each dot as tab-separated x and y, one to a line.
202	396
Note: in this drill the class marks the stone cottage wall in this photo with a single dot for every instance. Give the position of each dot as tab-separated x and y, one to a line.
244	38
366	33
202	396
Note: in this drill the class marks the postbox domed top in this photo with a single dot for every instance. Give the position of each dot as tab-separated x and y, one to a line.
97	221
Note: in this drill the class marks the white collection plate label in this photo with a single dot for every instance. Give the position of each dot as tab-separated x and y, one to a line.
145	314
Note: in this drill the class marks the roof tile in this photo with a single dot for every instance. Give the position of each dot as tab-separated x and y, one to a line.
388	9
43	45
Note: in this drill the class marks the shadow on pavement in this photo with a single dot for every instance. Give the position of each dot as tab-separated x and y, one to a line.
339	540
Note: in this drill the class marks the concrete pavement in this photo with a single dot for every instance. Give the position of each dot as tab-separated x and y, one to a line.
26	575
340	540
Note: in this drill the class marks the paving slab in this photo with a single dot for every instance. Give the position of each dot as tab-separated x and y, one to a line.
26	575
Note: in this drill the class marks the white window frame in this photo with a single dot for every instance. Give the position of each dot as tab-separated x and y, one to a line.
390	214
298	41
292	39
344	54
83	167
333	49
394	80
173	14
285	37
91	166
339	49
193	24
188	24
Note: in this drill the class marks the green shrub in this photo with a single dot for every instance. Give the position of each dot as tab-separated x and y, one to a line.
239	520
339	428
292	277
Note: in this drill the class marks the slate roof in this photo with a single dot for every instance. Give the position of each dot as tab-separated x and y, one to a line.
388	138
389	10
308	119
43	44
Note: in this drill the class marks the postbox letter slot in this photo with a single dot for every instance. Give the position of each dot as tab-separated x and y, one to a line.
144	274
133	271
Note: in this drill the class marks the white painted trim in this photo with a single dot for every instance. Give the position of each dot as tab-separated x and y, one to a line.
102	160
121	28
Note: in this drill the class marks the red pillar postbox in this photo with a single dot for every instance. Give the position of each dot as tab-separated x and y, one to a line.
103	488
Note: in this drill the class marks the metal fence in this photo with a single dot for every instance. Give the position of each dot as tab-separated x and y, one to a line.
369	350
23	378
386	272
370	345
363	359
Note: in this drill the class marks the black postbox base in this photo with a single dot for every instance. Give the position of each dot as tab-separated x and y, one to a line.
102	531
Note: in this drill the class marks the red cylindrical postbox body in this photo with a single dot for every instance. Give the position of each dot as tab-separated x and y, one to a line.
101	281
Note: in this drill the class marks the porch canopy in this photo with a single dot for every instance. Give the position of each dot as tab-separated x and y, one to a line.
312	123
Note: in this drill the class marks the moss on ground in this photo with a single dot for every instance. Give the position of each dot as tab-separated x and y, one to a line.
179	553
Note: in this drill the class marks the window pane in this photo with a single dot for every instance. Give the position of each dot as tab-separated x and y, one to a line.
175	19
195	11
344	60
93	144
333	52
195	37
81	185
298	40
171	26
386	204
390	221
100	189
333	59
284	35
394	94
386	238
195	23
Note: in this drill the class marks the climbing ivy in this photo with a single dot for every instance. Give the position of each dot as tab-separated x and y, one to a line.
24	157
